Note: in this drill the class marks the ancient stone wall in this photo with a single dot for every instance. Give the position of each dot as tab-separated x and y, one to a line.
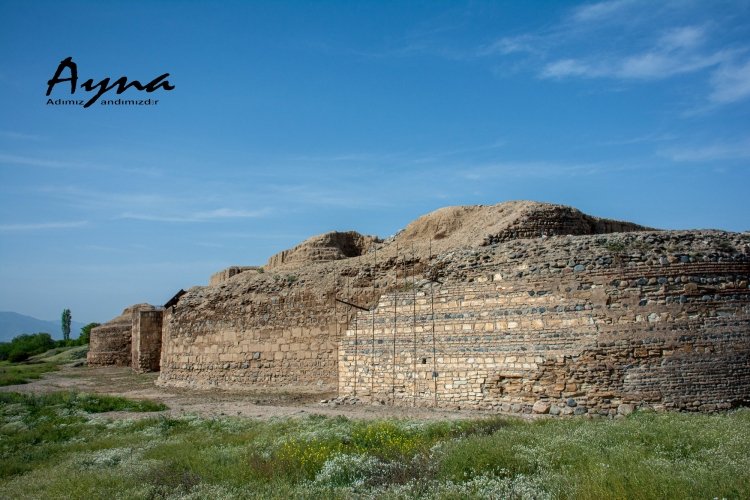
325	247
285	338
128	340
550	220
110	343
592	335
146	340
225	274
483	307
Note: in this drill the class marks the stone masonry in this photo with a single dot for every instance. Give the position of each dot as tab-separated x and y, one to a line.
223	275
671	335
131	339
521	307
146	340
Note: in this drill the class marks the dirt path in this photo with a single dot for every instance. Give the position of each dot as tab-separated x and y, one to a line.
262	403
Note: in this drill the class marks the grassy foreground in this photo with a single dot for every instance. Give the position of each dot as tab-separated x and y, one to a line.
25	371
54	446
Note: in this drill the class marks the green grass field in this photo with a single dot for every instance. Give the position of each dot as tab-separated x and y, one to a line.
22	373
56	446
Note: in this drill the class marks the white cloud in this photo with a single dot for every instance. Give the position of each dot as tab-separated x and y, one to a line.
511	45
219	213
41	226
739	150
226	213
14	160
535	169
598	12
682	38
19	136
637	41
677	51
569	67
730	83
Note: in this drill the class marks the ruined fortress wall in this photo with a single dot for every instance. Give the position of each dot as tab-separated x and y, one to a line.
146	340
110	344
225	274
565	324
131	339
287	338
574	338
548	220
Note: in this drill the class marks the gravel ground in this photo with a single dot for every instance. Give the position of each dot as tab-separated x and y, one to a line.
262	403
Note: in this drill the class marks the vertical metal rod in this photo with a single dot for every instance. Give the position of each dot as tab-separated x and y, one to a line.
348	312
414	323
395	300
356	353
356	336
372	350
434	349
336	335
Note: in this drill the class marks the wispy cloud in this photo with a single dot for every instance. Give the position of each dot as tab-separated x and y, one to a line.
19	136
527	43
731	82
737	150
30	161
537	169
402	157
600	11
39	226
637	42
11	160
676	51
205	216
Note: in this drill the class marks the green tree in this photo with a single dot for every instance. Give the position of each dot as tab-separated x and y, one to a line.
66	324
85	335
25	345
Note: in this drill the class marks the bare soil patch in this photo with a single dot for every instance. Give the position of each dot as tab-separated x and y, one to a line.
263	403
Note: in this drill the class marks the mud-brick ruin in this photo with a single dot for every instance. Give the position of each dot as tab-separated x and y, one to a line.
516	307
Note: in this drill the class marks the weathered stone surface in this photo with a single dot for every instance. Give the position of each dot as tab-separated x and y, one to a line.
225	274
625	409
541	407
505	305
131	339
146	340
325	247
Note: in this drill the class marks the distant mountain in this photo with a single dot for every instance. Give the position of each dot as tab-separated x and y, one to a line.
13	324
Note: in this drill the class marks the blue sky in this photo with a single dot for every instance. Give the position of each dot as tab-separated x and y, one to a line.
294	118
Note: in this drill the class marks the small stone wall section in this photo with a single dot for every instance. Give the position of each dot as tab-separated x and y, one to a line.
146	340
551	220
110	343
288	338
131	339
325	247
225	274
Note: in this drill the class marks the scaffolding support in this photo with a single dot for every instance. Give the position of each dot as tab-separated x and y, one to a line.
434	349
414	324
395	301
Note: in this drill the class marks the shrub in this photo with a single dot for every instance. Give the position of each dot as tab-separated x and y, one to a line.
24	346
